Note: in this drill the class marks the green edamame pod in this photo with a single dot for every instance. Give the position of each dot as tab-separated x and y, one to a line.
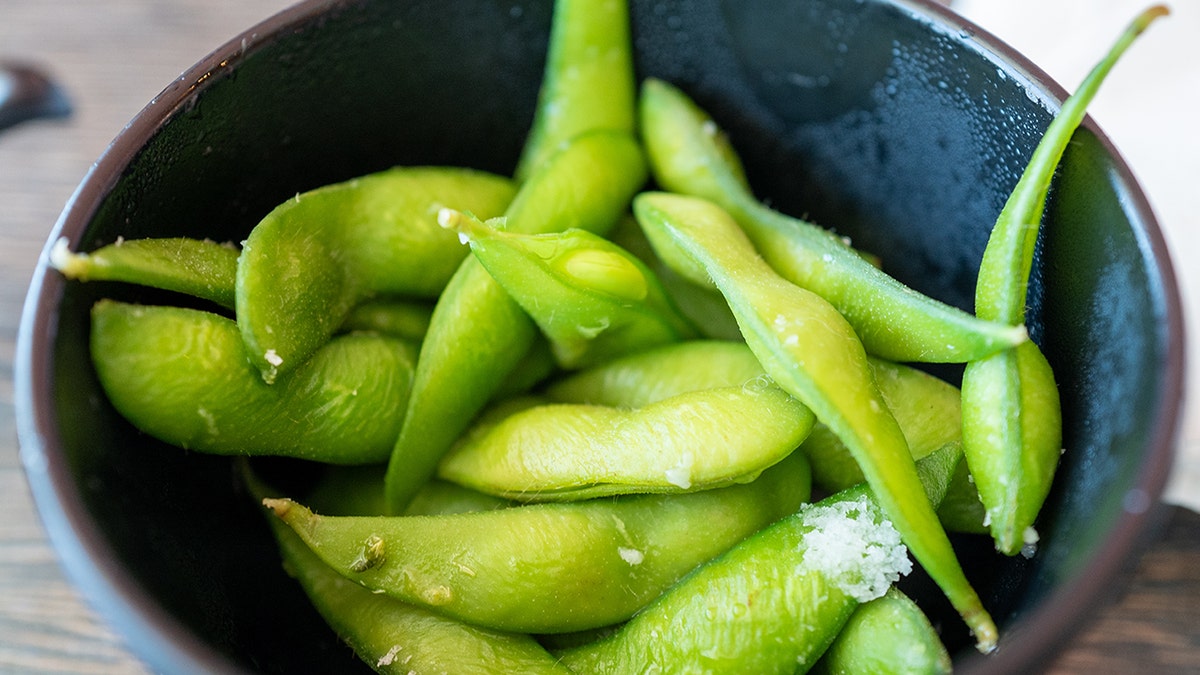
810	351
181	375
548	567
889	635
201	268
927	409
640	379
591	299
1012	421
478	333
314	257
392	636
697	440
588	80
689	155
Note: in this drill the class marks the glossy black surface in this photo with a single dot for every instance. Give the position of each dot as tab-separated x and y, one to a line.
892	122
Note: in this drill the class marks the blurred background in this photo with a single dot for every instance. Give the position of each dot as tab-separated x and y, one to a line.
112	57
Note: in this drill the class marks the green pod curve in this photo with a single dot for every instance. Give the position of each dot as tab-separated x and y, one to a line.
1012	424
197	267
1012	437
640	379
478	333
589	53
591	299
928	410
181	375
314	257
810	351
889	635
692	441
548	568
392	636
688	154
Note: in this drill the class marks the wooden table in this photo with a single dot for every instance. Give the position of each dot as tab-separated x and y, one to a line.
112	57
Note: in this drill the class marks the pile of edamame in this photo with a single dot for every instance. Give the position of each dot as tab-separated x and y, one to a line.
573	423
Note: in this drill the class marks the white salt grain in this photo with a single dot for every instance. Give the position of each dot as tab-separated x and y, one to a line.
854	547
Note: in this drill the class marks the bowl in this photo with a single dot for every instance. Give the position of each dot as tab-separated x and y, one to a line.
895	122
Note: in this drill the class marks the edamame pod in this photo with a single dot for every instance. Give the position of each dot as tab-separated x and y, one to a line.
358	491
401	318
201	268
548	567
314	257
182	376
392	636
478	333
889	635
810	351
591	299
689	155
1012	421
588	81
696	440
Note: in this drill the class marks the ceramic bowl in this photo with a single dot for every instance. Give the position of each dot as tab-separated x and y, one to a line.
894	122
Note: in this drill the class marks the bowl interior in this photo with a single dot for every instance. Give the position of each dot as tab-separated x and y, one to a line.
893	123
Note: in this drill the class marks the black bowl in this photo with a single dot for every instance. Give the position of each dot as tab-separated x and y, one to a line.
893	122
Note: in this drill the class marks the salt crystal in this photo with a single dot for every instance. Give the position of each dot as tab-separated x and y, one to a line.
854	547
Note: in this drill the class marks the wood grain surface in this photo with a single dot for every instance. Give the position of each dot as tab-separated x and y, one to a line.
112	57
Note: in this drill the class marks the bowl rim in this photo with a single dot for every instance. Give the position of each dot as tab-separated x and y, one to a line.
164	642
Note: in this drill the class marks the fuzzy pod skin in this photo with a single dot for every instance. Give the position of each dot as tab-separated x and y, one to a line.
478	333
689	155
889	635
813	353
182	376
314	257
197	267
548	568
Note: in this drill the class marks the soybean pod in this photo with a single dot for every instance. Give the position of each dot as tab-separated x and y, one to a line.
1012	419
316	256
182	376
689	155
392	636
548	567
590	298
201	268
810	351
